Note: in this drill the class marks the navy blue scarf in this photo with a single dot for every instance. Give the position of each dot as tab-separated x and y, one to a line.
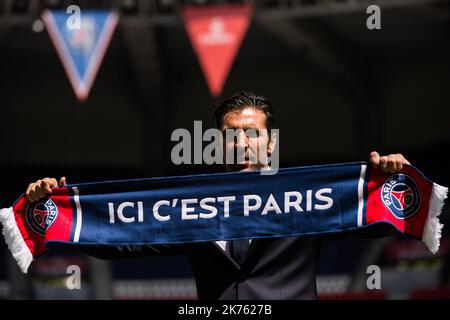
294	202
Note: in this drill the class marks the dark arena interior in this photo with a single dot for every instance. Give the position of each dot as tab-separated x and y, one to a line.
345	78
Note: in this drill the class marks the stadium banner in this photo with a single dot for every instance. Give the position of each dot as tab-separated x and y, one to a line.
216	33
300	201
81	48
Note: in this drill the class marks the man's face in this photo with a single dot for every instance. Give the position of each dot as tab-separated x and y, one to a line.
255	144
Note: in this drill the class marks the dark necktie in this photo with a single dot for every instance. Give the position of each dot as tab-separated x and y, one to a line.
238	249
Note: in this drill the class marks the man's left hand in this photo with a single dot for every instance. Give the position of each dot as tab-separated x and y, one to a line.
392	163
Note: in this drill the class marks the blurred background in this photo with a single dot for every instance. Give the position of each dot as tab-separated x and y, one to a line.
339	90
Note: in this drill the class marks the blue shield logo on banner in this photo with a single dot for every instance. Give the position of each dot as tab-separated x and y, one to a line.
81	49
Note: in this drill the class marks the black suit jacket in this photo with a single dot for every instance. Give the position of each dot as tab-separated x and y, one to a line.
274	268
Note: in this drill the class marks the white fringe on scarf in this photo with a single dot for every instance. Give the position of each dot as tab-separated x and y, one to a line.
432	229
431	233
14	239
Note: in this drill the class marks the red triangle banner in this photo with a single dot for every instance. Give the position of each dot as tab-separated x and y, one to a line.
216	34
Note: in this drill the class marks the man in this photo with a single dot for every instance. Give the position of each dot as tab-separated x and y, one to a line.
269	268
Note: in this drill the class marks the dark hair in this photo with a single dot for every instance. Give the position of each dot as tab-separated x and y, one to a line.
239	102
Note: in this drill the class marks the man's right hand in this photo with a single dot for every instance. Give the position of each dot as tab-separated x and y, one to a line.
43	188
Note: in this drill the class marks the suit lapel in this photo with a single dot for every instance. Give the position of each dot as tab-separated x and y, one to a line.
226	254
258	249
255	246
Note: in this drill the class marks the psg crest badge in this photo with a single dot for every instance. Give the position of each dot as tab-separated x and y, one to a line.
41	215
401	196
